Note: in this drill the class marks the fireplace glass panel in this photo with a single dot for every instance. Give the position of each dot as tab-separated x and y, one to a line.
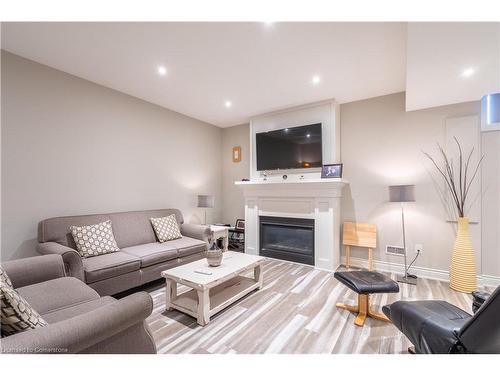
287	238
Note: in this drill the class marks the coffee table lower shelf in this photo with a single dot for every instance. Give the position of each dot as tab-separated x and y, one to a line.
195	302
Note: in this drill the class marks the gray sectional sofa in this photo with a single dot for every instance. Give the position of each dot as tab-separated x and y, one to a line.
79	320
140	259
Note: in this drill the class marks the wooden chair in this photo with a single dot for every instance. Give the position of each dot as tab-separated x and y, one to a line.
361	235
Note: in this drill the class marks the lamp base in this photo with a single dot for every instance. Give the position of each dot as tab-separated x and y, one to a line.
406	280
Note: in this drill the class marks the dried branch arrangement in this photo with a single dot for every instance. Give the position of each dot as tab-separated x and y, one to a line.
458	182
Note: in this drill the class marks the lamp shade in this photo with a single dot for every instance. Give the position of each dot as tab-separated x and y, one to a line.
206	201
402	193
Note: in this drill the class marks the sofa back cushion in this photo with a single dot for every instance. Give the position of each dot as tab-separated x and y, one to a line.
130	228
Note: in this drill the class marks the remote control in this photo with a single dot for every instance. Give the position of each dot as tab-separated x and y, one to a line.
203	272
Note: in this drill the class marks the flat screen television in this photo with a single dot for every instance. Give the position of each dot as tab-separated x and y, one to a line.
290	148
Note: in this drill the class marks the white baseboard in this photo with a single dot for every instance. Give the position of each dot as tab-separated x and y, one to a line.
428	273
488	280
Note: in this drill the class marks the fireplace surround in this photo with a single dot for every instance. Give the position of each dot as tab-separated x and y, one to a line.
309	198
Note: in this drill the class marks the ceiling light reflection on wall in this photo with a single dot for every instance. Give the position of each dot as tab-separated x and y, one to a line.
316	80
469	72
162	70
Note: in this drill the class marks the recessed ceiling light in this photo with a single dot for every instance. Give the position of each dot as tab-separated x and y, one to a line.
315	80
286	130
228	104
308	135
162	70
469	72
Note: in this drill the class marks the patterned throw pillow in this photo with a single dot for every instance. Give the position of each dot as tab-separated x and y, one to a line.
166	228
4	278
16	314
93	240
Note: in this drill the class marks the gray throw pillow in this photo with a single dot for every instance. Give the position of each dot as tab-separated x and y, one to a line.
93	240
166	228
16	313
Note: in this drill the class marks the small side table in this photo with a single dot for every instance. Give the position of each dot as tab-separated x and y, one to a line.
220	231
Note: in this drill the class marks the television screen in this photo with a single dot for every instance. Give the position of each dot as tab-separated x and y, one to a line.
289	148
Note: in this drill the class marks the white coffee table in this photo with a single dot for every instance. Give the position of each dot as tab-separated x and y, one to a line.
212	292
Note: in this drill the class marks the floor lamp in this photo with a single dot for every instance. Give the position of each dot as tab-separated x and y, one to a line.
403	194
205	201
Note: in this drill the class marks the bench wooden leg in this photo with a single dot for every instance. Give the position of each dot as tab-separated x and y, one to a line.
347	256
363	310
370	259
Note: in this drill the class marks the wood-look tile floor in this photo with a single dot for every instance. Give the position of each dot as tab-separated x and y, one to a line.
294	313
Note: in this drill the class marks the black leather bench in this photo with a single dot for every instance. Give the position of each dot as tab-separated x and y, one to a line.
365	283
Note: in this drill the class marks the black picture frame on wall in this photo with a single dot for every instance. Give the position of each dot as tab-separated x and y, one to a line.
332	170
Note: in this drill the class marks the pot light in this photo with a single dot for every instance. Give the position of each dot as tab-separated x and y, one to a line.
469	72
162	70
308	135
315	80
228	104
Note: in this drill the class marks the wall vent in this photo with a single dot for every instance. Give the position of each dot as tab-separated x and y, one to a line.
395	250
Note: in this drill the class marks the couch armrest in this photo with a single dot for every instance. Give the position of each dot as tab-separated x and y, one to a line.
200	232
87	330
34	270
72	260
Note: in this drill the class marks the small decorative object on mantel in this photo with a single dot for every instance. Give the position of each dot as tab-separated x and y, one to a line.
331	171
458	183
236	154
214	254
285	177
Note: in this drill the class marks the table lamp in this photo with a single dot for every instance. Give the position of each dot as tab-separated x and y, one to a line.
402	194
205	201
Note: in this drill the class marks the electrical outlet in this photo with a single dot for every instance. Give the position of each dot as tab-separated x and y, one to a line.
395	250
419	248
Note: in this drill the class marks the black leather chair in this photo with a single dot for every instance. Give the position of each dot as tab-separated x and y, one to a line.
440	327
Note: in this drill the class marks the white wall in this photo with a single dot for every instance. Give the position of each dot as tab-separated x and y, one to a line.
72	147
326	113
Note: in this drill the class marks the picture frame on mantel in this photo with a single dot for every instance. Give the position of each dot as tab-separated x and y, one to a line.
236	154
331	171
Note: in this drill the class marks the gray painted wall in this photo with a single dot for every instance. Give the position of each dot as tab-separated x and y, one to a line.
381	144
490	175
232	203
71	147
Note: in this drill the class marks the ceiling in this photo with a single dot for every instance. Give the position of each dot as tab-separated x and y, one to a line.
261	67
439	55
258	67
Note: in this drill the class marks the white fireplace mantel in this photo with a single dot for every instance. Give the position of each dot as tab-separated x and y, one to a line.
317	199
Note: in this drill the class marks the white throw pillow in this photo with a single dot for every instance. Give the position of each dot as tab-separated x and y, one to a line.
93	240
166	228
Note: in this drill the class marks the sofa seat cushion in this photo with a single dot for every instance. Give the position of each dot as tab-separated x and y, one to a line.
153	253
188	246
58	293
75	310
109	265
